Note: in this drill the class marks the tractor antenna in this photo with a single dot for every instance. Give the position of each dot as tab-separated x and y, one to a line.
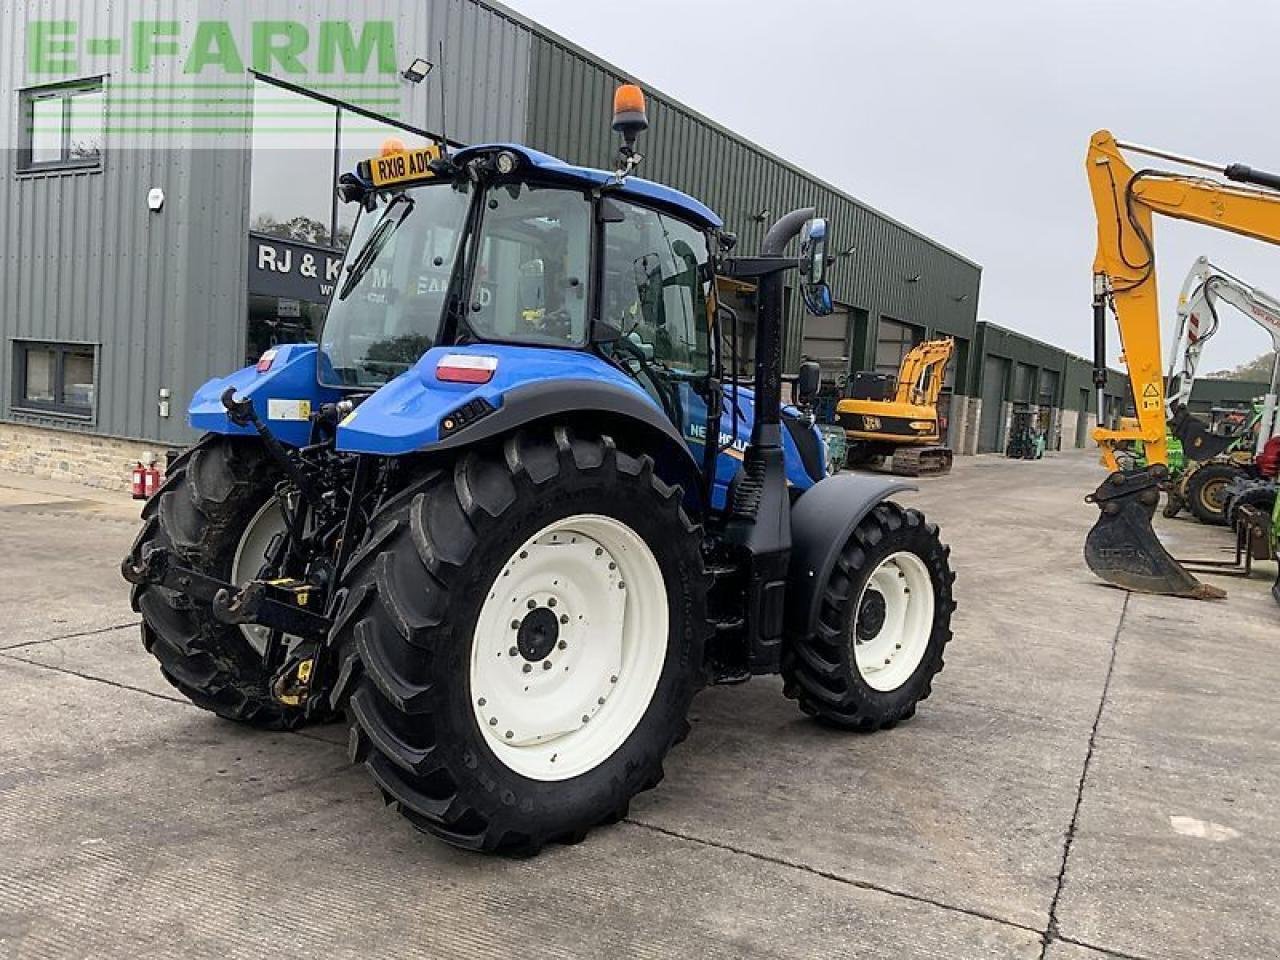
444	127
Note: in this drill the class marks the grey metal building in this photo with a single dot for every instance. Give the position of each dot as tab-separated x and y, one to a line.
166	182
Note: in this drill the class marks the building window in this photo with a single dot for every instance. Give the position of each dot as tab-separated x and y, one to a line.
55	378
62	126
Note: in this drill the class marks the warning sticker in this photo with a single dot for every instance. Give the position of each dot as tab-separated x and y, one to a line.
288	409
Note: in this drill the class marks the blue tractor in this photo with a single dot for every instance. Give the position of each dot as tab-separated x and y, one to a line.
508	516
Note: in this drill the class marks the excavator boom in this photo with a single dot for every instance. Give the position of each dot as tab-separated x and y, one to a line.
1122	547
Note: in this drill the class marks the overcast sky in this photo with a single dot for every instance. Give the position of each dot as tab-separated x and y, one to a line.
969	120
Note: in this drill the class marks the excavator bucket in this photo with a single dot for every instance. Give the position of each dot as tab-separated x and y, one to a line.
1122	548
1197	442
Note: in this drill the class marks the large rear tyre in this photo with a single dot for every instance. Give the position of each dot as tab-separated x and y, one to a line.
216	512
520	639
1207	489
884	622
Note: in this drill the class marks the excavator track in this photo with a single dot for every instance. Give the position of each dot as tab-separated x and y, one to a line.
921	461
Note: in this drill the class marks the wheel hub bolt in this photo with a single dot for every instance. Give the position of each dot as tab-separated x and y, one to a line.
562	644
533	604
585	718
564	618
622	585
600	701
528	667
493	721
551	601
613	679
510	734
515	624
546	664
514	652
482	701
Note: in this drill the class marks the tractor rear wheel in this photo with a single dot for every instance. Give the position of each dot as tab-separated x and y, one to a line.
1206	492
520	639
884	621
216	512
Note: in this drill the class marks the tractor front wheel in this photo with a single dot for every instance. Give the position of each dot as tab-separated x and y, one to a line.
1207	492
521	637
885	619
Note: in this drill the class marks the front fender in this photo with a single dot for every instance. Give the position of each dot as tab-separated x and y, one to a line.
822	520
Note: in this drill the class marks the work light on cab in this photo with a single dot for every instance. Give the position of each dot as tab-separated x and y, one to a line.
506	162
466	368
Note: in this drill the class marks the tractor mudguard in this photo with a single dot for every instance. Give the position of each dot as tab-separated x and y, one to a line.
418	411
822	521
283	389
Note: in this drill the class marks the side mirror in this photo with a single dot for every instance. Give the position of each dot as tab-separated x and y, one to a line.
813	268
808	382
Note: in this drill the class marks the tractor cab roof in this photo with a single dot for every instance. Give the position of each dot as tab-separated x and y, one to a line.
634	188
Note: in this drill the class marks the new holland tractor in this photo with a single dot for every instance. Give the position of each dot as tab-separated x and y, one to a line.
507	519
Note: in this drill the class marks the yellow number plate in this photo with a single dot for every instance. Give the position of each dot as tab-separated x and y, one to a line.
399	167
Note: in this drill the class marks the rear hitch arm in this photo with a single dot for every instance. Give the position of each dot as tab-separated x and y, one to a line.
259	602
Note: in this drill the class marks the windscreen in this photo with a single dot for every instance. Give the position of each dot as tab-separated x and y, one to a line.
389	302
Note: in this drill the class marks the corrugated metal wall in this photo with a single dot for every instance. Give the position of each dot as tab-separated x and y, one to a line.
570	96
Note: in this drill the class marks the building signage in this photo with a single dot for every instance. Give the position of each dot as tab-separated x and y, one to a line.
292	270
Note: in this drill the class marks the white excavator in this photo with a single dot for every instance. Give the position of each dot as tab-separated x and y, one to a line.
1207	285
1215	461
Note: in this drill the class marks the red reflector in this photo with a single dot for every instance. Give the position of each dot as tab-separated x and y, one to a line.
466	368
265	361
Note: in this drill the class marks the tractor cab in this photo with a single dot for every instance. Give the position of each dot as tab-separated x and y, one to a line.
504	245
504	260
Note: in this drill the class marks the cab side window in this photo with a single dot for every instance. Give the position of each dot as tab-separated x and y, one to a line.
656	285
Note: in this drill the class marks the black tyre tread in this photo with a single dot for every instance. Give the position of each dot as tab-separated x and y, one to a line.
817	669
393	647
211	491
1202	477
1260	494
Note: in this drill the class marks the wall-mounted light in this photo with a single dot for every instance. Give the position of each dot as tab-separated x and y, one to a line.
960	298
849	252
911	278
762	216
418	70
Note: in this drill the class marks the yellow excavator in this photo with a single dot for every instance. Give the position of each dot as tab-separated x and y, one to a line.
1122	547
899	419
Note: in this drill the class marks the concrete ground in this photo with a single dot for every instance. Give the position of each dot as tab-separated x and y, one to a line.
1097	775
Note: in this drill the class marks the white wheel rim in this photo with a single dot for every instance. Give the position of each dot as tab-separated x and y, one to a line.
888	649
565	710
251	554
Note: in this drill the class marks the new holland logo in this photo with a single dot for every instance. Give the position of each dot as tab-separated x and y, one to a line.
871	423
